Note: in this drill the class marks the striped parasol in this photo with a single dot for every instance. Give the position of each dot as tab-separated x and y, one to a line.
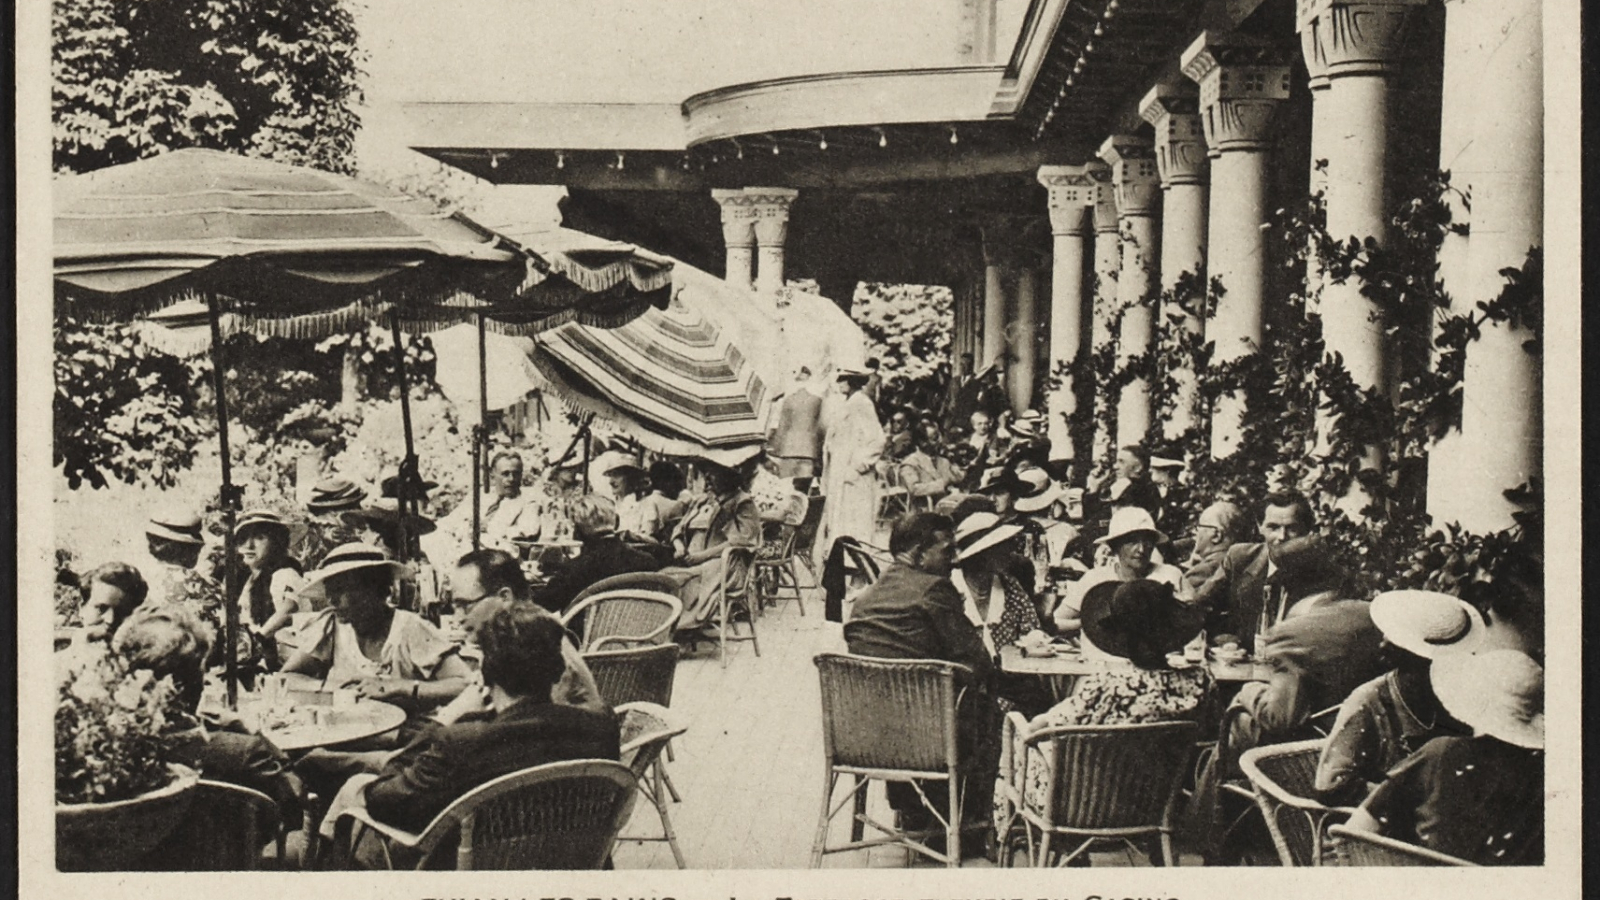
670	378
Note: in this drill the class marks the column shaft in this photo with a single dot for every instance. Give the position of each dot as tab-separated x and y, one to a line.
1135	289
1019	374
1356	110
771	225
1107	261
994	316
1071	192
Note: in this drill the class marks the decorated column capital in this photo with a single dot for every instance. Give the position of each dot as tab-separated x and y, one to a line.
1341	38
1105	199
1173	109
1072	190
1133	174
771	211
738	217
1242	80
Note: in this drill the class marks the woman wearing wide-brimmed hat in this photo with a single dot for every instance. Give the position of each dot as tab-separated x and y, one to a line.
1392	716
1132	539
639	516
996	603
270	592
726	516
1478	798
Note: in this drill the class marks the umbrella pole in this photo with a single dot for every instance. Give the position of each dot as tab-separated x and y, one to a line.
409	474
230	504
479	444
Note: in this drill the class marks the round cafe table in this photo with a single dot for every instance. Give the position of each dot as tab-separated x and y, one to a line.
314	721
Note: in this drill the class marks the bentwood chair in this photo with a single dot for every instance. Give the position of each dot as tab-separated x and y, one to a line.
1100	783
224	830
889	720
777	574
1363	848
1283	776
736	600
625	618
563	815
646	729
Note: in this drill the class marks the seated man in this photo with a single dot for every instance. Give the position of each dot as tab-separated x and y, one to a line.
594	521
926	477
521	664
114	591
506	512
913	611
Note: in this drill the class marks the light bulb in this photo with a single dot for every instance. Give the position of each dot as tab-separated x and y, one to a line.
738	150
774	149
883	139
954	138
620	162
561	160
494	160
823	143
1088	47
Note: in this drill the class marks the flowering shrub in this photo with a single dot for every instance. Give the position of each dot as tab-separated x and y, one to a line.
909	326
109	727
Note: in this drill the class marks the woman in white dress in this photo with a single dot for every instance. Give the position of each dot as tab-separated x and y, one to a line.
850	454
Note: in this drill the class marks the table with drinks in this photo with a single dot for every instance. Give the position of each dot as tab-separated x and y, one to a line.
295	714
1069	660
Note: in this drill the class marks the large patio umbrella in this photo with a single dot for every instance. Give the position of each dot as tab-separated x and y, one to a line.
290	252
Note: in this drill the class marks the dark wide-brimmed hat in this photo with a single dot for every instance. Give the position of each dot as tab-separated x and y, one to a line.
387	518
335	495
179	526
1141	620
390	486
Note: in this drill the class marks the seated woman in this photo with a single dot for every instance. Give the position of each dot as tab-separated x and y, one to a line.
638	517
1141	622
363	642
269	594
1132	539
521	663
1000	607
1478	798
113	592
725	517
1394	715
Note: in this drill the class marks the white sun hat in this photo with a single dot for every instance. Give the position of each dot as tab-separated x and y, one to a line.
1130	520
349	558
1499	693
980	531
1427	623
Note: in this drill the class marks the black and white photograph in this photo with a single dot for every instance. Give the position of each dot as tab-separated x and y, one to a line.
797	448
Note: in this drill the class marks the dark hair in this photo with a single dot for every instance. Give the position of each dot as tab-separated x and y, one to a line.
497	570
666	478
1286	499
872	363
521	646
1137	452
124	578
917	531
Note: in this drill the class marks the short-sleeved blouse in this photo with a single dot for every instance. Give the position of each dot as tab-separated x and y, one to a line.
413	650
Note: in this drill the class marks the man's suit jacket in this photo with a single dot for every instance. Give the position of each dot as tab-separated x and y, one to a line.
444	762
1236	592
602	557
907	614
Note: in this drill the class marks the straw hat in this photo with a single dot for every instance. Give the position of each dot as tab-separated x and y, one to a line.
1029	425
390	486
335	495
1139	620
1000	479
260	518
176	525
1039	490
350	558
1428	623
615	462
1131	520
851	372
1499	693
980	531
1161	462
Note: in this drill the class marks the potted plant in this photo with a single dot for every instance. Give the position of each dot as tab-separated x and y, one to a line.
116	797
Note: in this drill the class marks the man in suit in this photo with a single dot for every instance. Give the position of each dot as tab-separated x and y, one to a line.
913	611
795	441
1237	595
522	661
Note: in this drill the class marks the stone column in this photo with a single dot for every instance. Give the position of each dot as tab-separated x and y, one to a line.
738	235
771	207
1173	109
1354	43
999	253
1022	332
1107	260
1502	402
1138	188
1321	129
1071	191
1242	82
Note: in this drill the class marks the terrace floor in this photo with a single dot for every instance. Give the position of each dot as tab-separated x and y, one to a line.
750	770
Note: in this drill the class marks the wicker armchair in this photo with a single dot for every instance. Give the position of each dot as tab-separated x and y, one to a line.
641	581
223	830
1283	775
646	729
1363	848
640	674
777	576
563	815
736	599
1102	782
889	720
625	618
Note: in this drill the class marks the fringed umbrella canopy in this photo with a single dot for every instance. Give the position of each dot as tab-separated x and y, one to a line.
670	378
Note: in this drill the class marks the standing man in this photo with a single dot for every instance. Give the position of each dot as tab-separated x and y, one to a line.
850	455
1242	597
913	611
795	441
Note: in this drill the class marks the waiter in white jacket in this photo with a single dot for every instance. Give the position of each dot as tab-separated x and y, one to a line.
850	451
